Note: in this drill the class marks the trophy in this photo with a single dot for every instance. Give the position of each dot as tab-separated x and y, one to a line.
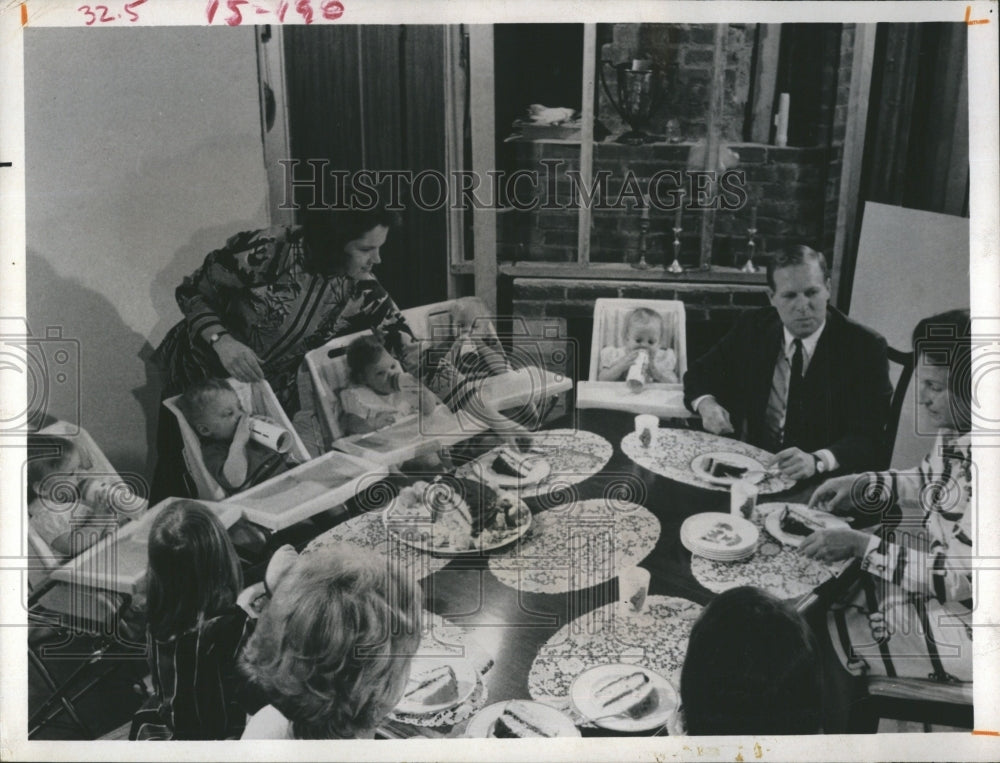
637	97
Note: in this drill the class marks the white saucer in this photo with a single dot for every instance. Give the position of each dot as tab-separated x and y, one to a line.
734	537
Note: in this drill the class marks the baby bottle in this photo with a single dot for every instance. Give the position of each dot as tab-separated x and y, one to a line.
269	435
636	377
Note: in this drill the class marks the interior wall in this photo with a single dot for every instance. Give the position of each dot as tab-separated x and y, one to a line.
143	154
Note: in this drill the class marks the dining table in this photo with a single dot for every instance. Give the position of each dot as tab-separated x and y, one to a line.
509	609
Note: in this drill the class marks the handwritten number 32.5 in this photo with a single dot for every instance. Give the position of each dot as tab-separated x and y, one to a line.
103	14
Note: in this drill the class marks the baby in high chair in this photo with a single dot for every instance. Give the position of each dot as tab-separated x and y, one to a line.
234	459
69	507
381	393
643	334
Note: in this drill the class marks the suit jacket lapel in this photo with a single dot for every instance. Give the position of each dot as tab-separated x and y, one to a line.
762	377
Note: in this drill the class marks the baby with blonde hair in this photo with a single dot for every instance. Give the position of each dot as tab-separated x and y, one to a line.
643	334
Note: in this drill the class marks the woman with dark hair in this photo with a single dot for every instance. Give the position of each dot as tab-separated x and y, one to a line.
752	667
912	614
257	305
332	651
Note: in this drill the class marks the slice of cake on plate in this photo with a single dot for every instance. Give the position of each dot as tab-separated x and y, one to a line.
433	687
520	720
632	694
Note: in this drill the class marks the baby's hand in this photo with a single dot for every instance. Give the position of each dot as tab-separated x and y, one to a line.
383	420
281	561
242	433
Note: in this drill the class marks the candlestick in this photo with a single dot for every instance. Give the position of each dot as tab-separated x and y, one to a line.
781	120
680	209
641	264
675	266
748	266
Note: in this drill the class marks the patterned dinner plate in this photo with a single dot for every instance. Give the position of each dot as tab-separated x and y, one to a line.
719	536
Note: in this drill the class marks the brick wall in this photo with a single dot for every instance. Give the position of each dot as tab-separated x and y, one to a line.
791	186
796	189
683	55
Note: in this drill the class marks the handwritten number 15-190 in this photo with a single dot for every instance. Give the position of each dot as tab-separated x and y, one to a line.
330	10
102	14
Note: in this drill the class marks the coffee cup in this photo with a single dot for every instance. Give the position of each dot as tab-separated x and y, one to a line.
633	586
743	499
646	425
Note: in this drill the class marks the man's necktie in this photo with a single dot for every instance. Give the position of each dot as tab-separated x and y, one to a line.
794	403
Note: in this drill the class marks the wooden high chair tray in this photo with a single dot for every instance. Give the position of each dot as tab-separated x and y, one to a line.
119	562
313	487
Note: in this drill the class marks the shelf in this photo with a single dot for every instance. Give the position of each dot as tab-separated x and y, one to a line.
618	271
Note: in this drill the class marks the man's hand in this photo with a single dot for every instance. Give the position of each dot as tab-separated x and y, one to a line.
834	495
794	463
715	418
239	360
835	544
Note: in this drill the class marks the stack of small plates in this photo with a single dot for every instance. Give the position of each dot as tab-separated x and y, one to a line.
720	537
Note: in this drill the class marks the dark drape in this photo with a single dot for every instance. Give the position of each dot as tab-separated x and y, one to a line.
917	138
372	98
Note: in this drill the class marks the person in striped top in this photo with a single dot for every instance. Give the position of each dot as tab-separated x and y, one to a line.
928	555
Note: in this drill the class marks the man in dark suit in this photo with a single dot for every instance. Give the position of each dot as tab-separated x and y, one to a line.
798	377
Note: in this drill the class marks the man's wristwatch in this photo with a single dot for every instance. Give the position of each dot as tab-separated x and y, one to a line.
216	337
819	463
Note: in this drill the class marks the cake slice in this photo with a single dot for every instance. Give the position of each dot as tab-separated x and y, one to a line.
796	523
518	721
632	694
725	470
511	464
433	687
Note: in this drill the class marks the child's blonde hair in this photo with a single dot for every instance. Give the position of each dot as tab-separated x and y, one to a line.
644	316
196	398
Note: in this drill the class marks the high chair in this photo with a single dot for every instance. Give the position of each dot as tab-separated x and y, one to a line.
258	398
59	610
660	399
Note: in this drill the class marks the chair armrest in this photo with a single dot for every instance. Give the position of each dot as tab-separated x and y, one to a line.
920	690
